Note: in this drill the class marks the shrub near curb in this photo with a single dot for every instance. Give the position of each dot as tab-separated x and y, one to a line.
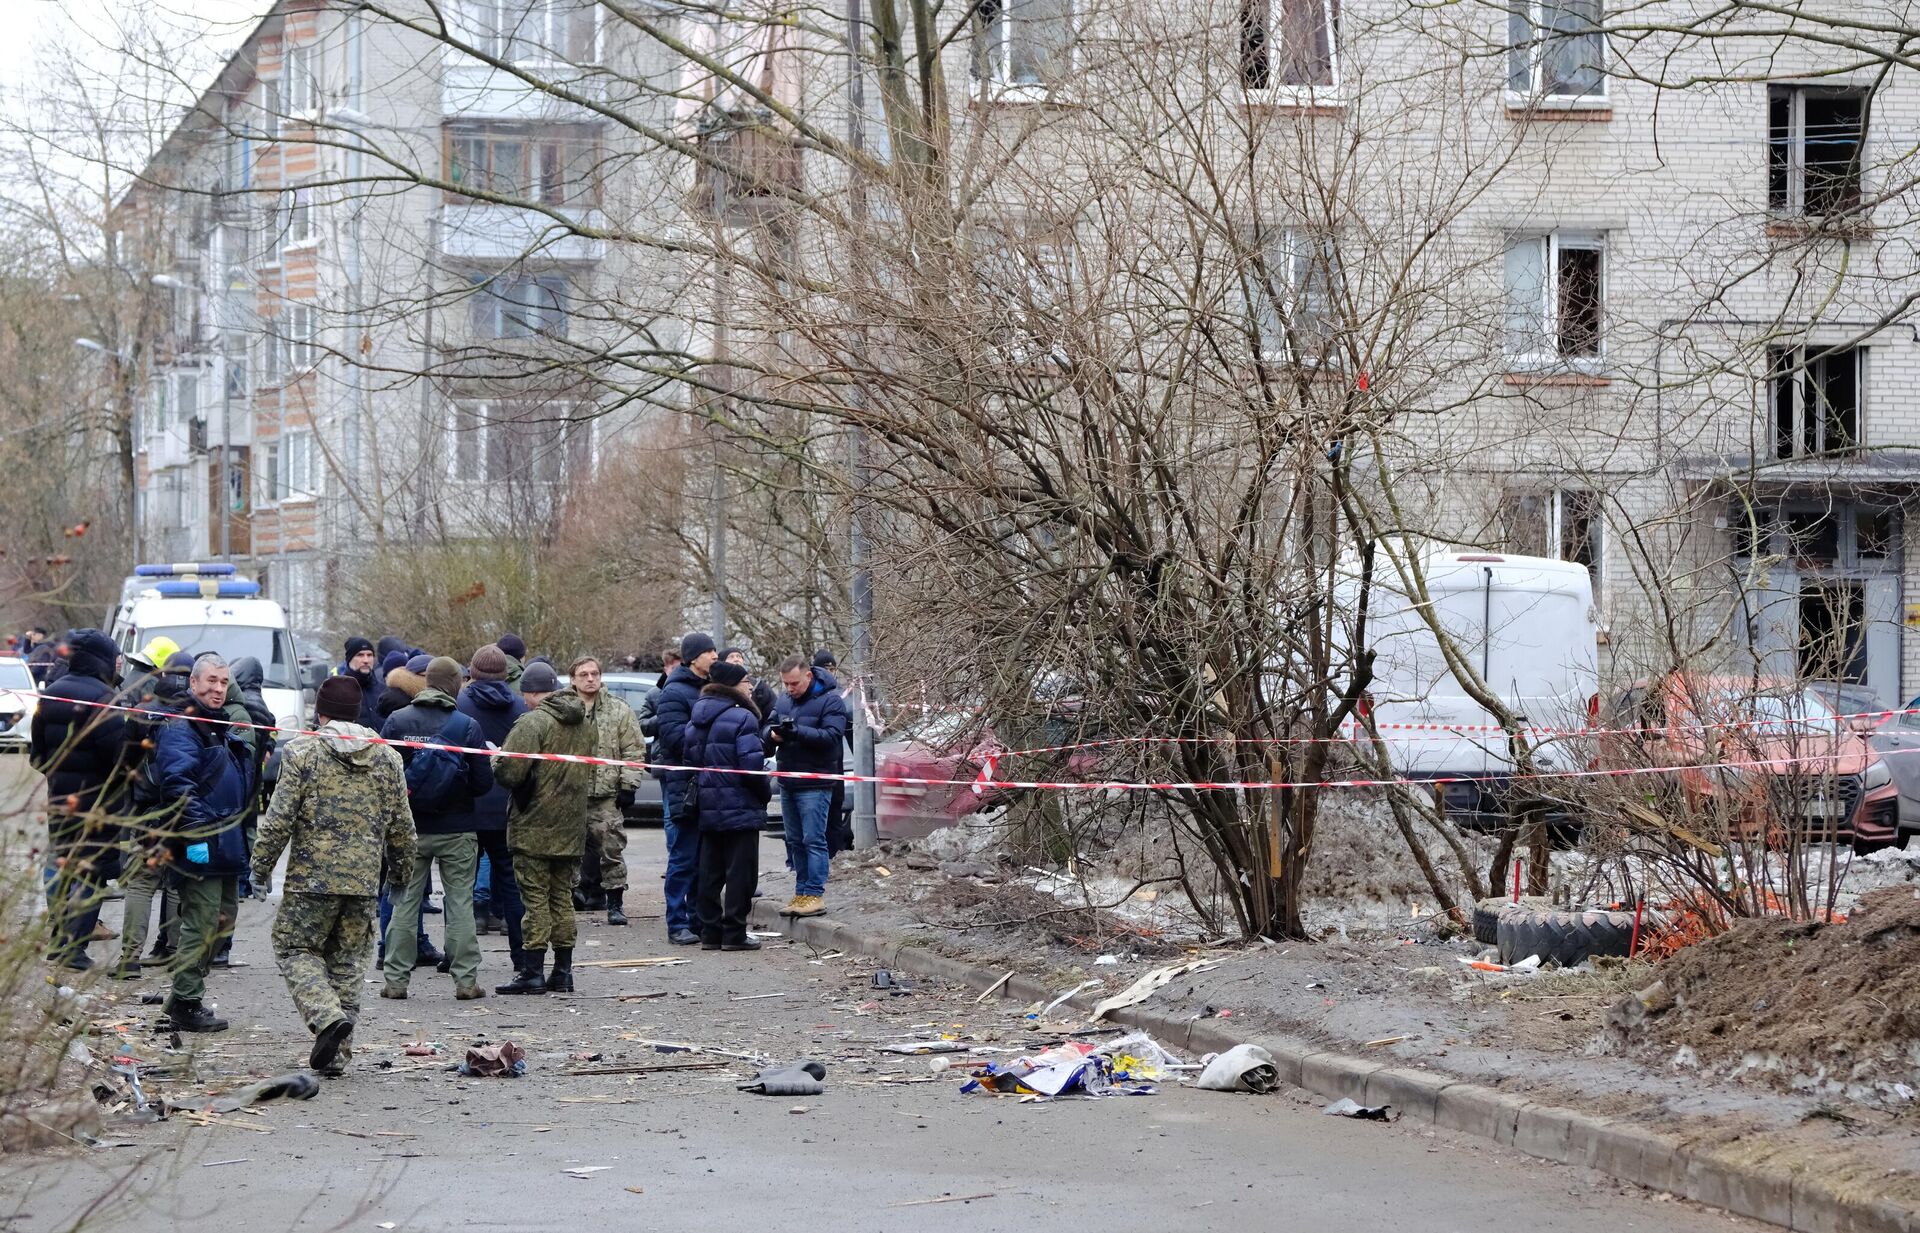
1551	1132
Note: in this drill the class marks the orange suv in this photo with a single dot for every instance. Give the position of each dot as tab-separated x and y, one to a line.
1774	750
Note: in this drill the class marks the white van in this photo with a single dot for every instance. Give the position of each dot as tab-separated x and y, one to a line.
209	607
1526	624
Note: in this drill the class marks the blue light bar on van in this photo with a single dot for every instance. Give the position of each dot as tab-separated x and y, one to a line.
208	569
236	588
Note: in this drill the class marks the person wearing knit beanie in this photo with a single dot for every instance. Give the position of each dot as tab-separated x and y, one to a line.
489	664
339	700
443	674
513	645
394	659
695	645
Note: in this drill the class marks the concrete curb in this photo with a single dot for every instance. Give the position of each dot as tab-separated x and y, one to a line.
1566	1136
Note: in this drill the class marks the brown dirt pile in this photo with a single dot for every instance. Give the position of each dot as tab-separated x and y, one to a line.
1008	907
1838	1002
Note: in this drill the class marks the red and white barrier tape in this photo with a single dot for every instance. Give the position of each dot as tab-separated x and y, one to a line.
981	782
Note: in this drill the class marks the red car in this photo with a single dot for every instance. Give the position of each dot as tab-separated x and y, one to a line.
939	746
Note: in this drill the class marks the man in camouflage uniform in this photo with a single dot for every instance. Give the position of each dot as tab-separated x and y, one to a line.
340	805
616	734
546	825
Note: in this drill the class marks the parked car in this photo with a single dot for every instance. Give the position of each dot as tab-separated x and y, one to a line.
1825	780
1859	706
940	746
19	695
634	688
1898	741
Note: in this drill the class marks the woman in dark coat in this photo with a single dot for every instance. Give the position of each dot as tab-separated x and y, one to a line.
723	733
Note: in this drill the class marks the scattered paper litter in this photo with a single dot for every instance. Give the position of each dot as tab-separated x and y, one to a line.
1144	988
585	1170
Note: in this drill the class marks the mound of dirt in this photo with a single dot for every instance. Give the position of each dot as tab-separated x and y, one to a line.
999	910
1830	1008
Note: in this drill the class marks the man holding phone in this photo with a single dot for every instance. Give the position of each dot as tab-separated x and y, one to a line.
809	733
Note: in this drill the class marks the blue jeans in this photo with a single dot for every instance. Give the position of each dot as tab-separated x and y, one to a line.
804	811
386	918
683	858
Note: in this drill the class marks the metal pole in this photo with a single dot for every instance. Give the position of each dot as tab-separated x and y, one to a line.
226	435
723	378
866	829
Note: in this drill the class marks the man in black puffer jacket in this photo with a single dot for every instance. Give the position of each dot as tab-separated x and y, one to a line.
672	709
83	751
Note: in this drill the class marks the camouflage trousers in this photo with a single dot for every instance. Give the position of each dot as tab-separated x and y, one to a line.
607	838
323	944
546	889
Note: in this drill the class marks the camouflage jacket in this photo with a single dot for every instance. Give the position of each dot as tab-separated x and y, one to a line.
616	734
548	817
341	806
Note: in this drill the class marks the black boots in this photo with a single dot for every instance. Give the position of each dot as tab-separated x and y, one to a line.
616	911
327	1042
531	978
191	1016
561	978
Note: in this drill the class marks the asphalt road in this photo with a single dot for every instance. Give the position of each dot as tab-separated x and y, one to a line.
401	1143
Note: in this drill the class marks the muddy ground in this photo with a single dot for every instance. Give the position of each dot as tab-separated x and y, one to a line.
1385	978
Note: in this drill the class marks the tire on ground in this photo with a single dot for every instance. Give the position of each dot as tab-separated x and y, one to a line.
1486	915
1565	938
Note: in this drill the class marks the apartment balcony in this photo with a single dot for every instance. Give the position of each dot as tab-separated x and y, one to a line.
492	234
472	91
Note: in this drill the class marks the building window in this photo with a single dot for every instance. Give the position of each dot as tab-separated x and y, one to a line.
266	481
303	335
1815	138
554	165
1556	50
503	307
298	223
542	31
1291	292
1563	523
1833	630
1815	397
270	109
1288	43
502	442
1022	42
1556	296
299	71
295	477
186	396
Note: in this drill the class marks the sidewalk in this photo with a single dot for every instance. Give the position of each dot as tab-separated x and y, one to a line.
1382	1019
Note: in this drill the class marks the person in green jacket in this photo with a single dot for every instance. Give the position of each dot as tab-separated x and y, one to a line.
546	825
616	737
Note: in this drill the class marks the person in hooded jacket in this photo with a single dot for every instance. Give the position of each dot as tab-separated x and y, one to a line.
205	772
493	704
723	735
403	683
83	750
383	658
546	824
672	708
341	808
154	699
444	830
515	650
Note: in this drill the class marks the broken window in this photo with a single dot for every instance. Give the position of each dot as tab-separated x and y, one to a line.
1566	524
1833	631
1556	297
1815	399
1815	138
1288	43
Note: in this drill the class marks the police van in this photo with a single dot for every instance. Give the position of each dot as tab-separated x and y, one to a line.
207	606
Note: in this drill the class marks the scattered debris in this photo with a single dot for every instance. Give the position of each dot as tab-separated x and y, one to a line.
798	1109
1049	1008
757	997
945	1198
1384	1040
1243	1068
585	1170
1348	1107
1144	988
798	1079
214	1164
505	1060
644	1068
1127	1066
631	963
299	1085
917	1048
992	989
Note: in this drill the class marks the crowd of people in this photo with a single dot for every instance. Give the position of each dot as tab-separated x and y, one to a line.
166	776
